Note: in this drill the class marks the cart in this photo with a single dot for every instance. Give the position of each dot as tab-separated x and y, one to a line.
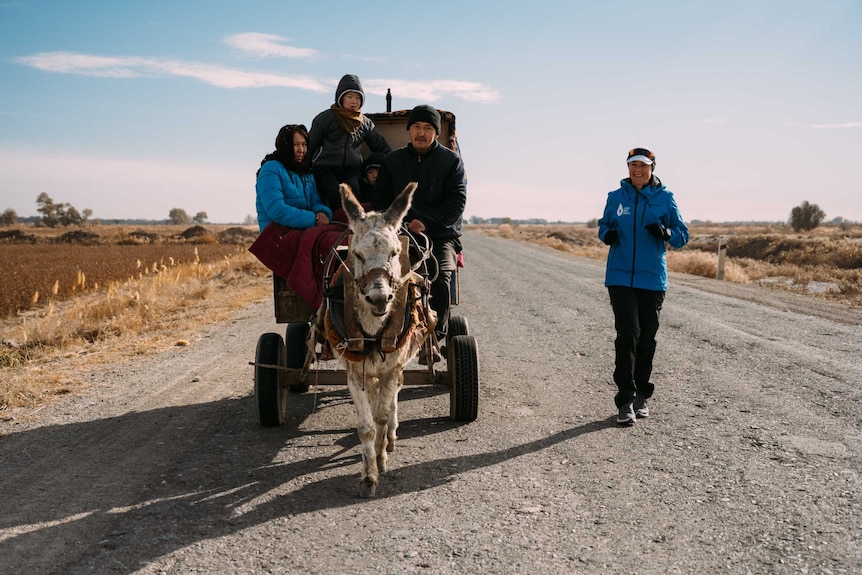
291	364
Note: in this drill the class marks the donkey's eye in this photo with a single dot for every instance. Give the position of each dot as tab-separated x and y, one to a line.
360	257
393	254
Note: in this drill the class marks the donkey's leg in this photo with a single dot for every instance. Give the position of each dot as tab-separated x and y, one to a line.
393	416
386	416
365	429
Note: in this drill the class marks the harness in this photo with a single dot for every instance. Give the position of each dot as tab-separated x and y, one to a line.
409	321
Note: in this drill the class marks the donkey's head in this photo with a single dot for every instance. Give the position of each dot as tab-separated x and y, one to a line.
376	250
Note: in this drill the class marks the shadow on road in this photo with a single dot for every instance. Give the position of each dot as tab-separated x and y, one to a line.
125	491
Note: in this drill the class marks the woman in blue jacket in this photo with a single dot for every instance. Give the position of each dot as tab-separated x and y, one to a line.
639	218
286	190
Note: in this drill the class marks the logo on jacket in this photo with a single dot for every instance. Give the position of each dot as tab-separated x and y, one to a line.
623	210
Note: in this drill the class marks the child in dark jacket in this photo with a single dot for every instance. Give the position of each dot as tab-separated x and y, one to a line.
335	141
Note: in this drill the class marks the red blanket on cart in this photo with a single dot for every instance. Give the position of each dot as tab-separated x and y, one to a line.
298	256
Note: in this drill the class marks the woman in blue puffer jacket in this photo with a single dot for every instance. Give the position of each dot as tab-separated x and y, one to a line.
286	190
639	218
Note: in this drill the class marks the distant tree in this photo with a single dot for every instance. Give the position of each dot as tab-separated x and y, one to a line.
476	220
68	215
506	221
8	218
48	209
178	216
200	218
593	223
250	220
806	217
87	213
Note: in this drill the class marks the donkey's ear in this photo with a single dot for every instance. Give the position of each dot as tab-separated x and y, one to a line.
399	207
351	205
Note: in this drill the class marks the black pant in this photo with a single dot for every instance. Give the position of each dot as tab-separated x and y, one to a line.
446	253
636	319
327	179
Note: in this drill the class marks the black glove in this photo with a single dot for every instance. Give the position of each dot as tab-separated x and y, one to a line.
659	232
611	237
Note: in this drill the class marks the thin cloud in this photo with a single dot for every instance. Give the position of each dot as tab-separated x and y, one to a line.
267	46
433	90
133	67
837	126
224	77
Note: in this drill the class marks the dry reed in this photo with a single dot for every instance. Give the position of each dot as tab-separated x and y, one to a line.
141	315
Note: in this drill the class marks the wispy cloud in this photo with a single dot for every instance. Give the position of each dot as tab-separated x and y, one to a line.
433	90
837	126
134	67
224	77
267	46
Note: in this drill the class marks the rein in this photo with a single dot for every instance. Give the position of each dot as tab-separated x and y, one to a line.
409	319
371	276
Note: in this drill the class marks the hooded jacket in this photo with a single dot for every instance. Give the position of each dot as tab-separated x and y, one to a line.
330	146
439	200
287	198
637	259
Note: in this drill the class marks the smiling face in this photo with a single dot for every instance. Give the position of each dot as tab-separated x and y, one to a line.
422	136
640	174
300	147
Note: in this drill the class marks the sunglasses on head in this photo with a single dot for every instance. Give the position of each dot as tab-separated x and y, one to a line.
641	152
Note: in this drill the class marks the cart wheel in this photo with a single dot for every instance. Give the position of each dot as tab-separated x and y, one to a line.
457	326
463	362
297	350
270	398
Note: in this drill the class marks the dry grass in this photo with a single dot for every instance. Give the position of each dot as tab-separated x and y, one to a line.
139	316
825	262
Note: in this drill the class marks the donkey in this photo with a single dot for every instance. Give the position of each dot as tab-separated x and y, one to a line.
380	282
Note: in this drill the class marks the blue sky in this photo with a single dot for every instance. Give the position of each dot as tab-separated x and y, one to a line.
133	108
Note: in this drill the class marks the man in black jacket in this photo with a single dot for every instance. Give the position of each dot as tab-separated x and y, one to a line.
438	203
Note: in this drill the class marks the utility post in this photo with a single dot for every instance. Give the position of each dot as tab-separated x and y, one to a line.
722	254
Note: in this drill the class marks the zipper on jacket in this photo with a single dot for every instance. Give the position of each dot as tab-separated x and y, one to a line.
634	240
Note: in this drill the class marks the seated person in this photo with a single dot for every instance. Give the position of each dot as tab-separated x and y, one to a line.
286	189
438	203
370	169
287	198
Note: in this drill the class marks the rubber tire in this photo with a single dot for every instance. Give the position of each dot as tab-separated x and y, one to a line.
457	326
270	399
295	336
463	363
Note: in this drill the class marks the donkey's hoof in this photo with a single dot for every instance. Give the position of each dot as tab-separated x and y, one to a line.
367	488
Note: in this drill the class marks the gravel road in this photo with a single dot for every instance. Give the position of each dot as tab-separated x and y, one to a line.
749	463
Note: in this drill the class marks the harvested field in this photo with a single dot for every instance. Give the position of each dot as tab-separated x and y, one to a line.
39	268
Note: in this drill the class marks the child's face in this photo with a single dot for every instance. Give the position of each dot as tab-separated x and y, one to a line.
351	101
371	175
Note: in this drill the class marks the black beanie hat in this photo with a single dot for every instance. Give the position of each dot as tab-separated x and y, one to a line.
372	161
424	113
